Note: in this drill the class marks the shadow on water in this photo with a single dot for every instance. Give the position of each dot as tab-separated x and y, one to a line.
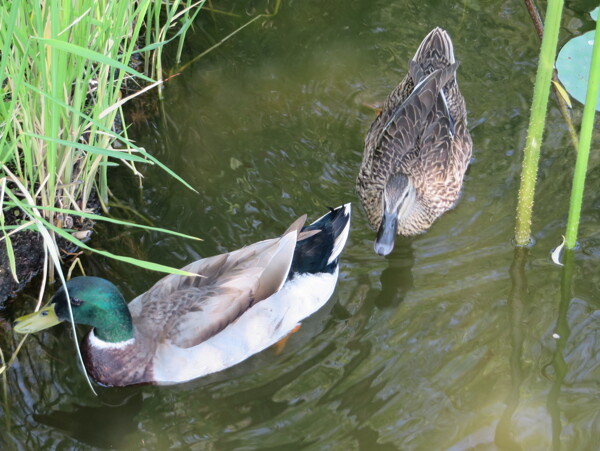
106	426
396	279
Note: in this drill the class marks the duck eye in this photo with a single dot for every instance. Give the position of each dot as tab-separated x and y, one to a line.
45	313
76	302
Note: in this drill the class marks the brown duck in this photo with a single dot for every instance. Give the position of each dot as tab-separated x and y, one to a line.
418	149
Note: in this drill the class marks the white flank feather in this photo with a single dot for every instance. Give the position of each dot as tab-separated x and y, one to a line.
258	328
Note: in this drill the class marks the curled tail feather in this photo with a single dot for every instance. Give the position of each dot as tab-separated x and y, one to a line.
435	52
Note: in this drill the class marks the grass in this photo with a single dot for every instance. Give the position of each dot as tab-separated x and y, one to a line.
62	72
63	68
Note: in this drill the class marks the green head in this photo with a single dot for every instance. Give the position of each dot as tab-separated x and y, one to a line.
94	301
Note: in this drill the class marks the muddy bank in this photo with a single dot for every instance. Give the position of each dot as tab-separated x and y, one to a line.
28	247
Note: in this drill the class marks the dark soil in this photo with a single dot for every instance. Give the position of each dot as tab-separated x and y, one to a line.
29	255
28	247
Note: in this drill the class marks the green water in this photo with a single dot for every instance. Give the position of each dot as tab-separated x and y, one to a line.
439	346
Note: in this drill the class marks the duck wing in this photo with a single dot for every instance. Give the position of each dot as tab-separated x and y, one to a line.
186	311
413	121
436	143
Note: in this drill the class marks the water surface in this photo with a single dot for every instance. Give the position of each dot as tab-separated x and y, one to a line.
438	346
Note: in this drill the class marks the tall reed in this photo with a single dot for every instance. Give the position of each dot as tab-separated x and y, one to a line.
537	121
62	71
585	139
63	66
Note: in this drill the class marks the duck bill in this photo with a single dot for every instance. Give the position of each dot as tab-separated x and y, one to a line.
386	235
34	322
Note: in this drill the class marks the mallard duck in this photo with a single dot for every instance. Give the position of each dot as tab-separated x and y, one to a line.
186	327
417	150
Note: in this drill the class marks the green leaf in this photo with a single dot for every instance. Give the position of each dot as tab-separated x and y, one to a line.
92	55
91	149
573	66
95	217
133	261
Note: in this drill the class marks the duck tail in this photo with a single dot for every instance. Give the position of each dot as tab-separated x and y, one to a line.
435	52
321	243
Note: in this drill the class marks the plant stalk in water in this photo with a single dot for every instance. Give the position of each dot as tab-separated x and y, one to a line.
585	139
537	121
562	103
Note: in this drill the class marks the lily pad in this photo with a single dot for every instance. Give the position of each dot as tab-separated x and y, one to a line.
573	66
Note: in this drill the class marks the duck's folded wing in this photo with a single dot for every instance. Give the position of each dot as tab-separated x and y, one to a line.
188	310
436	148
404	129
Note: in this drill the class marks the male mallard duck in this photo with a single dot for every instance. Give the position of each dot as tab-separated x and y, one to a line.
417	150
187	327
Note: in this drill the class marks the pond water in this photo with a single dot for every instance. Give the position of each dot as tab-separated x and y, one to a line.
454	341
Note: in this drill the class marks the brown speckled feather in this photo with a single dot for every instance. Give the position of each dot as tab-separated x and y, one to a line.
187	310
184	311
421	133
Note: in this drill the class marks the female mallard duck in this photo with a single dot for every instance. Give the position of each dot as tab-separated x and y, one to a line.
187	327
418	148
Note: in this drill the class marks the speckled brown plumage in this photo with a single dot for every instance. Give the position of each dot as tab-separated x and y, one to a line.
421	133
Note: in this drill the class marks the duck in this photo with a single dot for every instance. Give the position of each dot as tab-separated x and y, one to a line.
418	148
186	327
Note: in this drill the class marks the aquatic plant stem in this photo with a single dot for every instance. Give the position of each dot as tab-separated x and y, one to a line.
585	139
562	104
537	121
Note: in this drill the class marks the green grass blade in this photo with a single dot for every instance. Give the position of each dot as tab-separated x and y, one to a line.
93	56
98	124
133	261
125	141
184	28
95	217
121	155
44	226
10	253
10	30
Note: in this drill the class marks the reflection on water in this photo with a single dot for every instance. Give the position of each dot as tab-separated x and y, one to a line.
103	426
504	437
446	344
